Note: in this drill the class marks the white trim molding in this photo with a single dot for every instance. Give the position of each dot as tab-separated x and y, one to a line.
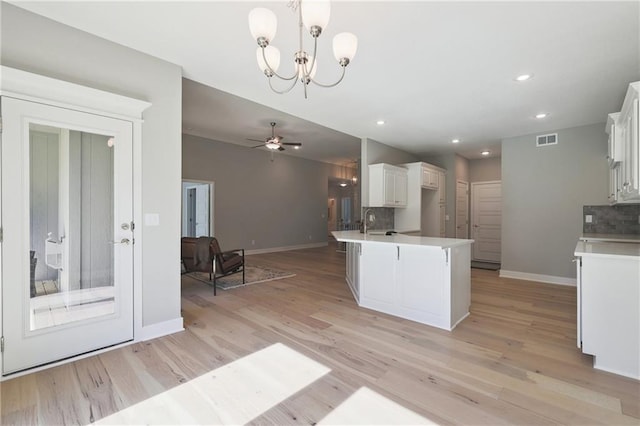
549	279
160	329
39	88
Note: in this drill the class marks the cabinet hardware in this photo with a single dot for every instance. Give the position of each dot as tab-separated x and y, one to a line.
398	249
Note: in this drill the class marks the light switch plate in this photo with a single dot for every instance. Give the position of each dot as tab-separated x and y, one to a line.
588	218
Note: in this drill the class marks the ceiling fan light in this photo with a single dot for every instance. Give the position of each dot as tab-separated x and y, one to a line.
271	144
315	13
345	46
273	58
263	23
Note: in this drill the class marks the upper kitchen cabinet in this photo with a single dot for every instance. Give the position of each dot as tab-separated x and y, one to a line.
624	149
424	212
429	177
387	186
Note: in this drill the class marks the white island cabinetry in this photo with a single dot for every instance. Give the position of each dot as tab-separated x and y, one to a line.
421	279
353	268
608	296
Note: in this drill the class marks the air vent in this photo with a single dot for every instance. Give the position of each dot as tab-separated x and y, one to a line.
544	140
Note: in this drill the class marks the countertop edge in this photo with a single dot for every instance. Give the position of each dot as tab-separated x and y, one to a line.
399	239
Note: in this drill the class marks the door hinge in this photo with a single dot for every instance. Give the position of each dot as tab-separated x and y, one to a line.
0	124
2	344
133	225
1	235
446	256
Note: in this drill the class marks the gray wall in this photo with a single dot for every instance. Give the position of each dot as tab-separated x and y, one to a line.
543	192
276	204
485	169
36	44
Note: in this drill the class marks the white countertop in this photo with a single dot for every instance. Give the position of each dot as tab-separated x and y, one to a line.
620	238
398	239
607	249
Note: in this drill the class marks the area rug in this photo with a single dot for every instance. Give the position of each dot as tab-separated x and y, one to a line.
485	265
253	275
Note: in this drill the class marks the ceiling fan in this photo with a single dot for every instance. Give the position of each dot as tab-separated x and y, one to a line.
274	142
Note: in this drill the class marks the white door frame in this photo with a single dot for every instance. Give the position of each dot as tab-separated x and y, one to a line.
37	88
474	185
212	186
468	210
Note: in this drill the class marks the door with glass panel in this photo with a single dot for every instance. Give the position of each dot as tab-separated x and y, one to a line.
67	252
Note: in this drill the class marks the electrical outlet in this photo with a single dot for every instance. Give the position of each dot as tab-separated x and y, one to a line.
588	218
253	242
310	237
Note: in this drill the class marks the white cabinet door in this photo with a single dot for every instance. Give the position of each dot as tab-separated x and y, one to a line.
400	189
378	275
429	178
610	313
389	188
420	278
353	269
624	146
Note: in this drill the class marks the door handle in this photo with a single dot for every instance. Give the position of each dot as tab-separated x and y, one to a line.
122	241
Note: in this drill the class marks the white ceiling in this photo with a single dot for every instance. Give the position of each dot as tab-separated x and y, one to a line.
432	70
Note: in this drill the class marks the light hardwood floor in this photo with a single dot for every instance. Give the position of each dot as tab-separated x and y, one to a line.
512	361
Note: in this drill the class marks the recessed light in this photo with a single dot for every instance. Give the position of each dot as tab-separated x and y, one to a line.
524	77
542	115
455	140
342	184
485	153
296	147
380	122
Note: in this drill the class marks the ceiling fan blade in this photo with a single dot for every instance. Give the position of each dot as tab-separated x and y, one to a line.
258	146
280	148
255	140
291	143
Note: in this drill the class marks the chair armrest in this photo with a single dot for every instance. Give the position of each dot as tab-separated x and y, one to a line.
232	251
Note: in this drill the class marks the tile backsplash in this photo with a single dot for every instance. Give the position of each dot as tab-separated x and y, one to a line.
618	219
384	217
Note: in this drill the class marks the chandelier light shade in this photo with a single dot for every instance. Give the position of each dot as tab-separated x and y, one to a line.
263	24
272	56
314	15
345	46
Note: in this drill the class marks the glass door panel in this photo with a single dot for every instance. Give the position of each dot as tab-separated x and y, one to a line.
71	226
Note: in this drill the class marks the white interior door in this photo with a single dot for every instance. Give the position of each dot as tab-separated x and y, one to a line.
486	213
68	244
462	209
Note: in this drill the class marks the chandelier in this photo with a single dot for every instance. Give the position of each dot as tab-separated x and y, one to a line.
313	14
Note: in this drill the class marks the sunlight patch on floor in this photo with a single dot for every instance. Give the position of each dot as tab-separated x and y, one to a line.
366	407
233	394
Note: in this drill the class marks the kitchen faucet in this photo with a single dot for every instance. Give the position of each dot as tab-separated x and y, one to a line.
366	217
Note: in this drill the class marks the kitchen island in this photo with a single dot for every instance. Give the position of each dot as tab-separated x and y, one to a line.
423	279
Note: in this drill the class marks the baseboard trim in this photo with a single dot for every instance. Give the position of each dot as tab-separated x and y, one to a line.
160	329
285	248
549	279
